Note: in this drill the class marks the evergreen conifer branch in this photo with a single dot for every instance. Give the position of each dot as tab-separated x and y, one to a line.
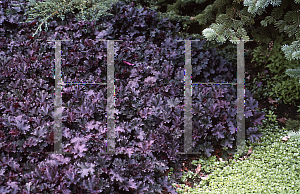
289	25
293	72
90	10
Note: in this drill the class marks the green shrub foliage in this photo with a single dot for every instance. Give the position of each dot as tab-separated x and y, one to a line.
282	87
149	100
292	125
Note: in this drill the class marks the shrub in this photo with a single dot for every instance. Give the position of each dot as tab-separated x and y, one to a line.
277	84
149	105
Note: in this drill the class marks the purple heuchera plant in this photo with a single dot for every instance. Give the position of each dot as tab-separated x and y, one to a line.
149	101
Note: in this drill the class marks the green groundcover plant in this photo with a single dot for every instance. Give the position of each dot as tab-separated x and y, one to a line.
273	166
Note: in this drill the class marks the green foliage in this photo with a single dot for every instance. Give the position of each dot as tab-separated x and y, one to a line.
188	176
293	73
227	27
259	6
292	124
220	30
281	86
209	165
265	89
89	10
292	52
272	167
294	134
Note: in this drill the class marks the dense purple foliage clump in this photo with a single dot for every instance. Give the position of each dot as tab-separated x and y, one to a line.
149	93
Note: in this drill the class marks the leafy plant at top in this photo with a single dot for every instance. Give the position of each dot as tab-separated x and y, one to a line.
48	9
